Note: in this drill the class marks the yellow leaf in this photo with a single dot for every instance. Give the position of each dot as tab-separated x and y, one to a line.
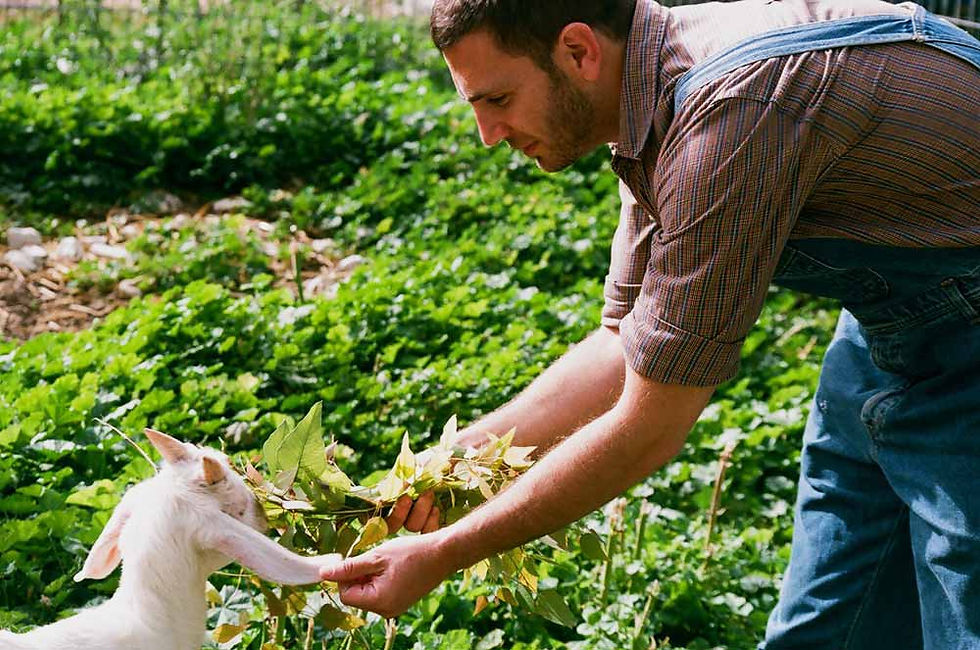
481	604
225	633
390	487
480	569
405	464
517	457
449	433
337	619
374	531
529	580
507	596
438	463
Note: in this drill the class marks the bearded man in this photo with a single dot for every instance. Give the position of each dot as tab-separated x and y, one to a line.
830	147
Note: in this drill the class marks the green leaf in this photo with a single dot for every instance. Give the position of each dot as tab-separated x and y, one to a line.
101	495
301	447
591	547
552	607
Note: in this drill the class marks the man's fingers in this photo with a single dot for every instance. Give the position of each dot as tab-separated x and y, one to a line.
399	513
420	512
432	523
361	595
352	568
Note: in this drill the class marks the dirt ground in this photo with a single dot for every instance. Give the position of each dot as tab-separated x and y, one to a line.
47	300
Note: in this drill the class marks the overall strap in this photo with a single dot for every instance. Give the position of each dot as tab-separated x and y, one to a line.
919	25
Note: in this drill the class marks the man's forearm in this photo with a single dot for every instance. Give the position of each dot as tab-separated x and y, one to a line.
586	470
580	386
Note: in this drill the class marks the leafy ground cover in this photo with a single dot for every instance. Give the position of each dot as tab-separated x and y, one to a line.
478	272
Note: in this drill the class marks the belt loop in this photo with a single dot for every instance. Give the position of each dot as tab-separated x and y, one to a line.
918	23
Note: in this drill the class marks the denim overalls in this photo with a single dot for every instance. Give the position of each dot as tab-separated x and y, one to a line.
886	539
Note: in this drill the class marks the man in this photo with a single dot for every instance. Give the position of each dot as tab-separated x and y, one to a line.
828	146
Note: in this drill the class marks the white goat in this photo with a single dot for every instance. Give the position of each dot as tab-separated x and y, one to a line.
171	532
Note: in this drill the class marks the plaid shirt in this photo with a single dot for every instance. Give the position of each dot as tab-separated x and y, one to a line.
879	144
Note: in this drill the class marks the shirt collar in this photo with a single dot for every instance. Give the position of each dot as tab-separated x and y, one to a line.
641	71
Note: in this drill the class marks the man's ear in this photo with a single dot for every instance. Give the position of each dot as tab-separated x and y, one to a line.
104	556
578	52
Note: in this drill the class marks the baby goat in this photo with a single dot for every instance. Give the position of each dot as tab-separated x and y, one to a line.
171	532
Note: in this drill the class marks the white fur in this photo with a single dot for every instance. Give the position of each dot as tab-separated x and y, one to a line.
171	532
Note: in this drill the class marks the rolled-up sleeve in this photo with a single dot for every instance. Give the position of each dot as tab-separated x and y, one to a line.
729	187
629	259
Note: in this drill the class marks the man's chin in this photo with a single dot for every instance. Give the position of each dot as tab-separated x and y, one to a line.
551	166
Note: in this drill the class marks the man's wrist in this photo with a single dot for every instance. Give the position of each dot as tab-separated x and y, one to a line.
456	552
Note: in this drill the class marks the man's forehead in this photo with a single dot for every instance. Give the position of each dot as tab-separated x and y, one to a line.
479	67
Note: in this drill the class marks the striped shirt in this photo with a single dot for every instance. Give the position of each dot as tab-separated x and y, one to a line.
879	144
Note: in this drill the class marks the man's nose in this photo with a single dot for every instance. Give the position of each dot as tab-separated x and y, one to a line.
492	129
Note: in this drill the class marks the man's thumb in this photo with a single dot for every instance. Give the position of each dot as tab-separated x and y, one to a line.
352	568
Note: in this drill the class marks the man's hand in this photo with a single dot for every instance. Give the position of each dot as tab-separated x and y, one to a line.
392	577
418	516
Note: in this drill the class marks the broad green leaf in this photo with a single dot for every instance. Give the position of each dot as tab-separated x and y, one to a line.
101	495
300	447
592	547
552	607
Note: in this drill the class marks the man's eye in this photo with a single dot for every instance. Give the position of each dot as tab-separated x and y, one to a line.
499	100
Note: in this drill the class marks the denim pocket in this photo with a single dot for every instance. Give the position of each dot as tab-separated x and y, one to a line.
798	271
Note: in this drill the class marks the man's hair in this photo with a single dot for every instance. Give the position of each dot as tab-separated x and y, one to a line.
527	27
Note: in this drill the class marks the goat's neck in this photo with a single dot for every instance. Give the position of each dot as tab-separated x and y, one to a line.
164	576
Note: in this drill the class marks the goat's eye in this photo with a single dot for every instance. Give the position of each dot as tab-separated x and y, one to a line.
241	513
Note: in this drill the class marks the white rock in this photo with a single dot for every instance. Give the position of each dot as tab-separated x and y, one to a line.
131	230
20	260
111	252
350	263
20	237
129	289
321	246
179	222
36	252
69	248
231	204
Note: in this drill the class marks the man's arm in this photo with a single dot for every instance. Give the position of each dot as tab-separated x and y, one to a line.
646	427
584	383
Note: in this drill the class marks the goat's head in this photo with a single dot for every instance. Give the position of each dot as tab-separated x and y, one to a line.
211	490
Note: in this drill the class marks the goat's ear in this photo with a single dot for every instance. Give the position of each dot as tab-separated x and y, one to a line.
172	450
104	556
213	471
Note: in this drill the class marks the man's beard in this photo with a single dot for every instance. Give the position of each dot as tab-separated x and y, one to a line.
570	123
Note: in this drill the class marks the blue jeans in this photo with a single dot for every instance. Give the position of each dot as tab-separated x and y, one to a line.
886	540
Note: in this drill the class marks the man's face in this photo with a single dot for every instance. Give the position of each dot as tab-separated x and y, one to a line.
543	114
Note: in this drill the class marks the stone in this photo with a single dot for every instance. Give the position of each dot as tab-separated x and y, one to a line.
231	204
350	263
20	261
129	289
20	237
321	246
179	222
110	252
157	202
69	248
38	253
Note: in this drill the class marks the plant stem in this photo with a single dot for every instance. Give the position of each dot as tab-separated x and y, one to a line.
726	456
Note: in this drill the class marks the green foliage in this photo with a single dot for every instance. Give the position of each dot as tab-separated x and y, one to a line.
481	272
